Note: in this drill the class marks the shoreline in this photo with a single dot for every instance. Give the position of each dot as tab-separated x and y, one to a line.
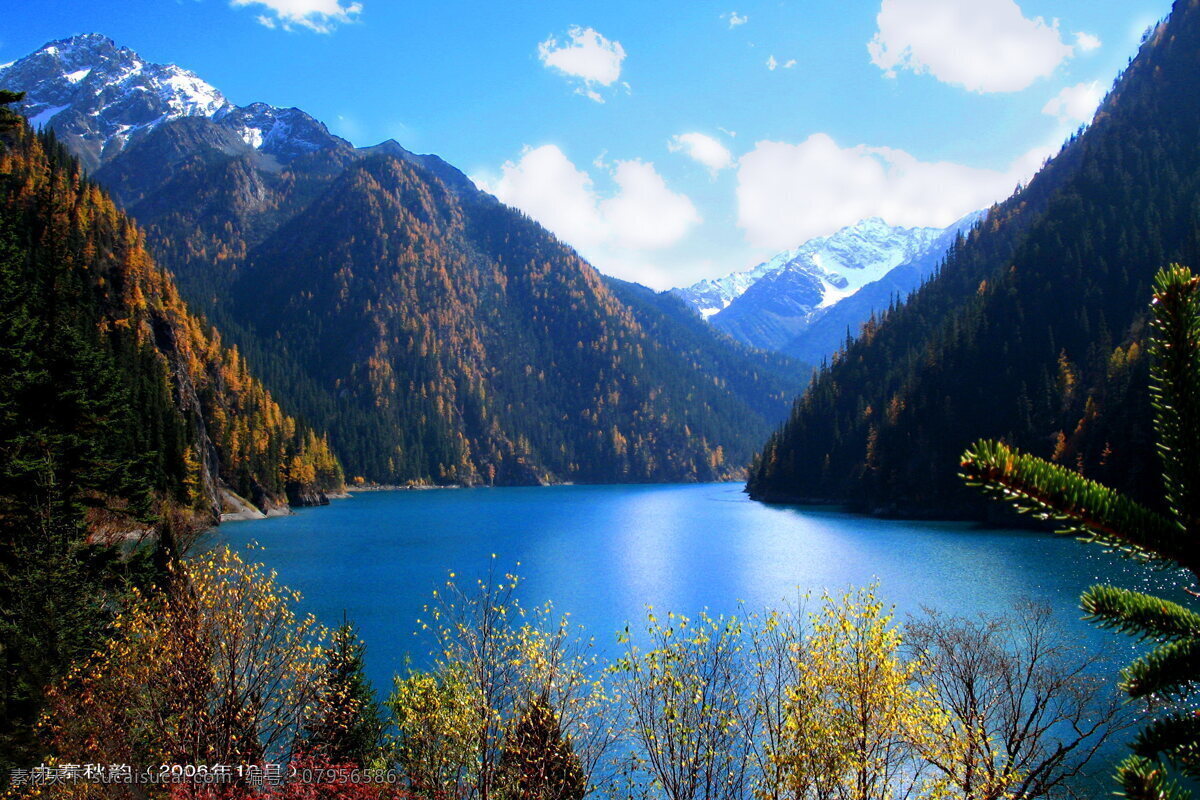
388	487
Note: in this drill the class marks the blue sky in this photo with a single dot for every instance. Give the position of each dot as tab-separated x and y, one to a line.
667	141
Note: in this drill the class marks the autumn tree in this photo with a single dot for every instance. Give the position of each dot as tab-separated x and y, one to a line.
490	654
684	691
437	720
217	668
856	713
774	648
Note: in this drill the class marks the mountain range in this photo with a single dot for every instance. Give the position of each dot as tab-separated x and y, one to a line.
100	99
435	334
805	301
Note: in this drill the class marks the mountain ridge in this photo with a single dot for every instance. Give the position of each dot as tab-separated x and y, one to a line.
200	425
866	247
450	340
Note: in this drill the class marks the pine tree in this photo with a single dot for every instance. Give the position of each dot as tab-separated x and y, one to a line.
538	761
351	731
9	119
1170	672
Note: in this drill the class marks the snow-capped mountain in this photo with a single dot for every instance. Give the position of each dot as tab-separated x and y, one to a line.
99	98
836	265
772	304
711	295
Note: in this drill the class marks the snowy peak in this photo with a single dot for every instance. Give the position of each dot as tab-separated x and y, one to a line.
100	97
284	132
870	247
711	295
839	264
831	282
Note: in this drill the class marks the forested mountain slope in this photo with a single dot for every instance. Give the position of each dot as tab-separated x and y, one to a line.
110	389
437	335
1032	332
468	345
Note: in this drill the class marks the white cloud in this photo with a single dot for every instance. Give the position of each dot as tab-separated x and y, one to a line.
774	64
618	233
735	19
645	214
588	57
548	187
981	45
789	193
1075	104
702	148
1086	42
321	16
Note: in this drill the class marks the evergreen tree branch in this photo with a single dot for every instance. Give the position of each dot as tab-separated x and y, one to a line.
1174	736
1175	388
1169	670
1141	615
1087	509
1143	779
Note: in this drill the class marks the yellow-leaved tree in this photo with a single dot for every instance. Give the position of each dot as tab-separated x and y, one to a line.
463	725
857	710
216	669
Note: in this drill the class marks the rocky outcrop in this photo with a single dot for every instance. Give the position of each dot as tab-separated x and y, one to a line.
299	496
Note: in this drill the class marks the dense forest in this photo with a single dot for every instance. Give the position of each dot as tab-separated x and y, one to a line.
436	334
86	303
468	345
1032	332
121	415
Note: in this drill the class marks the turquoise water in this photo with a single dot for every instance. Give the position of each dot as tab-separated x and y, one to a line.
602	553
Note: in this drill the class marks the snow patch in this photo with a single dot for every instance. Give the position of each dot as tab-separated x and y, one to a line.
192	96
842	263
78	75
832	295
43	119
252	137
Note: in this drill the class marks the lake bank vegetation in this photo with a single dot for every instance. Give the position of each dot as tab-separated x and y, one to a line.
836	700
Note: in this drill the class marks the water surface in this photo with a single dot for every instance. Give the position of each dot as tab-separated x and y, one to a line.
602	553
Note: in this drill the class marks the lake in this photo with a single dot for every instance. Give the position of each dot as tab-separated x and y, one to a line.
602	553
